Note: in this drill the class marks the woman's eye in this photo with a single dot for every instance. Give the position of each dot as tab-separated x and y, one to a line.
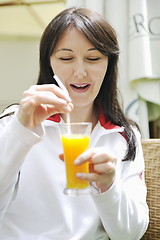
66	58
93	59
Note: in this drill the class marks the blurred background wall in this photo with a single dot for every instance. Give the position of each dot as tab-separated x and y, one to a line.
18	68
21	25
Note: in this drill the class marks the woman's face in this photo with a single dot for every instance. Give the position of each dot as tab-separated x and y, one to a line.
80	66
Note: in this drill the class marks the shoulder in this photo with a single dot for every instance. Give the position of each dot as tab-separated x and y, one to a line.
8	114
9	110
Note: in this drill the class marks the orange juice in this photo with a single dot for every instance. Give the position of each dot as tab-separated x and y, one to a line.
73	146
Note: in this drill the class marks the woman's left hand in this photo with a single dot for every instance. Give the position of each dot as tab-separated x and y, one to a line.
102	167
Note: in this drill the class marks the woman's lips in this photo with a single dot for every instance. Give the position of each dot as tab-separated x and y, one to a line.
79	87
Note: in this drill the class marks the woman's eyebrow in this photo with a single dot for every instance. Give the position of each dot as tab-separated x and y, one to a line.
70	50
92	49
65	49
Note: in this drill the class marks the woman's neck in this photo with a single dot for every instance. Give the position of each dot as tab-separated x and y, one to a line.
82	115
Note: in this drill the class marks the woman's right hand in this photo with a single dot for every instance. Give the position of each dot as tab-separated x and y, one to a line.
41	101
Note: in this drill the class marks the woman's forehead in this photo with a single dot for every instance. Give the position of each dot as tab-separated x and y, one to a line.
71	37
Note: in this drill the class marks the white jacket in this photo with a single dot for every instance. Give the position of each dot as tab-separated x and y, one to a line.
32	203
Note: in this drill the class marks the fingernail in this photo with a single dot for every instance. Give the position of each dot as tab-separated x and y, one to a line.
67	108
71	106
76	162
79	174
68	98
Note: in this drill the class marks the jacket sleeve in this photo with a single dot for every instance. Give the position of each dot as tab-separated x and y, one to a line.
15	142
123	209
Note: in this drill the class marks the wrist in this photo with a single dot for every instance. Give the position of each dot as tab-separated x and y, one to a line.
103	188
100	188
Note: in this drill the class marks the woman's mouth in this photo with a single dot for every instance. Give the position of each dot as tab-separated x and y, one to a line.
79	87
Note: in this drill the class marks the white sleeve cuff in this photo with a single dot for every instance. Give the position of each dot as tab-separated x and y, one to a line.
108	197
24	134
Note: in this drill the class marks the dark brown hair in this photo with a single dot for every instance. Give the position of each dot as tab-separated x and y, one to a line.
103	37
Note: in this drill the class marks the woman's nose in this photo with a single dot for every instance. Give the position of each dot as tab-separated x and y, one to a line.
80	71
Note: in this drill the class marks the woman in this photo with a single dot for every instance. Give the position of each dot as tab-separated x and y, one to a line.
81	48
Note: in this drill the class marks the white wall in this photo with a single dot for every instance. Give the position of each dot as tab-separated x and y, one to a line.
19	60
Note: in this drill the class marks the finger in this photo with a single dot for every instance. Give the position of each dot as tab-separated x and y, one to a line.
52	88
35	99
108	167
97	178
50	92
84	157
91	177
103	157
51	109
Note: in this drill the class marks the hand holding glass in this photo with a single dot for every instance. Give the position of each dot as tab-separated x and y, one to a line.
75	140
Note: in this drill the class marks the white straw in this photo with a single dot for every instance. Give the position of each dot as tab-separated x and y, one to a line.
64	88
60	84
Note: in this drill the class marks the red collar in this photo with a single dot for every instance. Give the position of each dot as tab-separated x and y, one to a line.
55	118
102	120
107	124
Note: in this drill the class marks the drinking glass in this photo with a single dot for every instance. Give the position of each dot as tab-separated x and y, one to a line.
75	139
